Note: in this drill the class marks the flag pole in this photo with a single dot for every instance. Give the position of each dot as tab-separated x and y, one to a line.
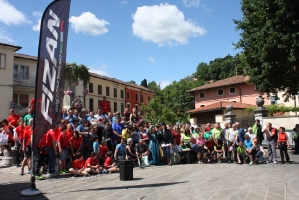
44	117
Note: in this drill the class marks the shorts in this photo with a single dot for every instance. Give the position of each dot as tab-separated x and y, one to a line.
28	152
199	149
63	155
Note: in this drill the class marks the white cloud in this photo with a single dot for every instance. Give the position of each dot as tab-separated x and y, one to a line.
37	26
10	15
87	23
164	84
190	3
151	59
101	70
37	14
164	24
5	37
123	3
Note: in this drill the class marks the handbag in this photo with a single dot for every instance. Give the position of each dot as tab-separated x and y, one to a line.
161	152
144	161
3	139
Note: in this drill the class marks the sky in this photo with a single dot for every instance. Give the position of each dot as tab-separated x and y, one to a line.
160	41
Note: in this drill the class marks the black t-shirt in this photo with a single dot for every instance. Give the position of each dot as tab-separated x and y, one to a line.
107	133
141	148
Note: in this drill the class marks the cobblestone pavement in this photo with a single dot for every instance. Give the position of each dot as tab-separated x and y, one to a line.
194	181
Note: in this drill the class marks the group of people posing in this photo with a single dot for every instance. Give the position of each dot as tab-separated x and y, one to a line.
85	143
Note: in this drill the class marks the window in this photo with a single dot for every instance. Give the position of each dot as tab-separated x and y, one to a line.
122	108
121	94
129	106
24	100
201	95
136	97
15	98
136	106
2	61
91	104
220	92
128	95
232	90
107	91
24	70
148	98
141	98
115	92
202	105
100	89
90	87
115	107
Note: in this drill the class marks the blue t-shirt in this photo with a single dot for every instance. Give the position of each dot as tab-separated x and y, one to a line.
85	138
117	128
96	147
121	149
248	144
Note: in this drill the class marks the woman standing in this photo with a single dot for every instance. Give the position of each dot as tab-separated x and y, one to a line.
153	137
134	116
166	138
283	145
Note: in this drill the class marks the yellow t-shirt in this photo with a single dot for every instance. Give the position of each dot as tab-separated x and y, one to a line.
125	134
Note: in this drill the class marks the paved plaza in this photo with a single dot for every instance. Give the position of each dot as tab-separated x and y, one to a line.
194	181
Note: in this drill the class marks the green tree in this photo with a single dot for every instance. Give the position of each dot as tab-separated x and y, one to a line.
132	82
152	85
144	83
270	41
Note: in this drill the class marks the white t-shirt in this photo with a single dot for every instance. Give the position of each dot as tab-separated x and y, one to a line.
232	134
252	135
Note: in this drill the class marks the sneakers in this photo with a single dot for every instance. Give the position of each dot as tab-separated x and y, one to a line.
61	172
39	176
29	171
1	154
251	163
22	172
219	161
199	162
275	162
65	171
86	175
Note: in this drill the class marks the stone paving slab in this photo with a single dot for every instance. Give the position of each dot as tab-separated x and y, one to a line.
194	181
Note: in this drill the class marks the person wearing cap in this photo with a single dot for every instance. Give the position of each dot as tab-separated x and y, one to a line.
296	138
105	106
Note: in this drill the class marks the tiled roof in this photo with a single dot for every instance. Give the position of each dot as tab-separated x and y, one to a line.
219	106
10	45
19	55
120	82
225	82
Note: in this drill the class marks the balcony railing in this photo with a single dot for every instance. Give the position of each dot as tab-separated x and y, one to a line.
25	82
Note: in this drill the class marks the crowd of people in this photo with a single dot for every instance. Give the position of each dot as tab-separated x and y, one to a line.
86	143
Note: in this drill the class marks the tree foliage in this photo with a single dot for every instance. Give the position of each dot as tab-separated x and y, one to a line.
270	41
75	73
144	83
132	82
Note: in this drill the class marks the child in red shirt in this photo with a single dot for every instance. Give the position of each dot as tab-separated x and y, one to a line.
103	150
92	164
78	166
109	167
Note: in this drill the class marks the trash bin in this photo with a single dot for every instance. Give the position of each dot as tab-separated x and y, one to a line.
126	170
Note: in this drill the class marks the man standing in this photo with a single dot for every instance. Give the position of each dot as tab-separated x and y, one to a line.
105	105
13	119
241	136
28	116
216	132
232	142
271	137
257	130
224	134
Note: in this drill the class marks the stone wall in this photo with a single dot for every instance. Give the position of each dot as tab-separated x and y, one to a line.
287	121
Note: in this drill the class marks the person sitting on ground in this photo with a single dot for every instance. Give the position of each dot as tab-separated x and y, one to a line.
201	149
108	166
130	150
242	153
175	157
92	164
219	150
103	150
257	153
78	166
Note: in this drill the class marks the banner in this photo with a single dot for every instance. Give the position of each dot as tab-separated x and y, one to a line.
49	88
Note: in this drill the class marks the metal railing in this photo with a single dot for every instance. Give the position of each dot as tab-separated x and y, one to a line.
25	82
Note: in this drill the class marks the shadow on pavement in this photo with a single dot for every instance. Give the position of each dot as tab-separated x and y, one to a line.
13	190
137	186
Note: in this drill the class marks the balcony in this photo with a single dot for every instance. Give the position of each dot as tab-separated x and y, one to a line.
21	81
18	108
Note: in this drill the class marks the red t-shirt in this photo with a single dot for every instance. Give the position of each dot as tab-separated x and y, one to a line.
20	132
105	106
108	162
78	164
282	137
13	119
64	143
92	162
69	134
207	128
49	138
210	144
42	142
103	150
76	142
56	133
177	137
27	136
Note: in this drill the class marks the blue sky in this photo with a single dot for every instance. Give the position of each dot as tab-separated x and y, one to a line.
161	41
